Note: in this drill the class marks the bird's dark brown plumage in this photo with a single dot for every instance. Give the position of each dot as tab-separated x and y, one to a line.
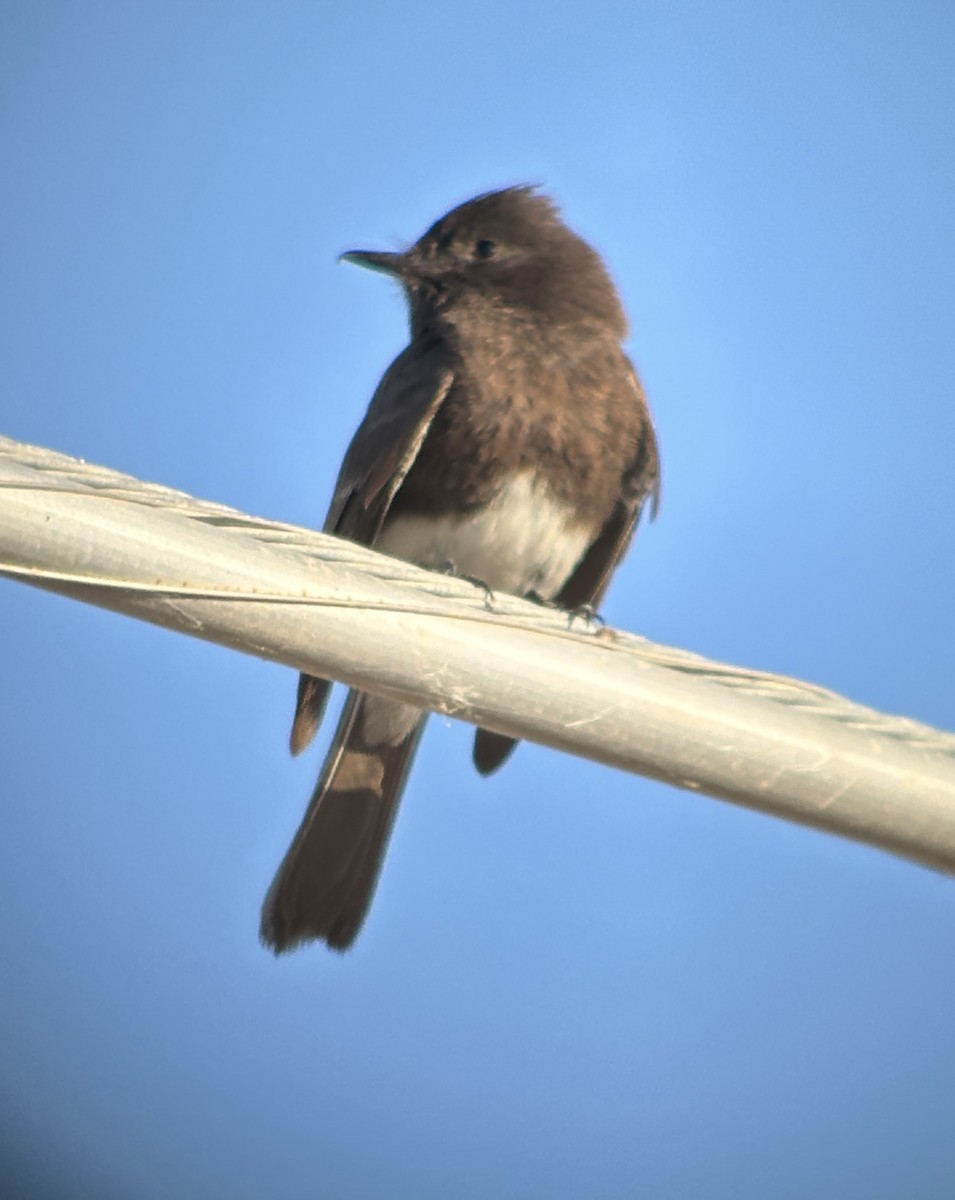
511	438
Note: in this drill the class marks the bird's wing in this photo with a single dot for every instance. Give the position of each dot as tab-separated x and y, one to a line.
387	441
640	484
585	587
385	445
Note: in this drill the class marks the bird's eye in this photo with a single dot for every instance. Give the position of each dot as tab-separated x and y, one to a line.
485	248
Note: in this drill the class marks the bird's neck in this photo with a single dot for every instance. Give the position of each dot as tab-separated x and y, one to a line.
481	328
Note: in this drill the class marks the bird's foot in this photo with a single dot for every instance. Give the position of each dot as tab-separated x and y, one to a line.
586	613
447	567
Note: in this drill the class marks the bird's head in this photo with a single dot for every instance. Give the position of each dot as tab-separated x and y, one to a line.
510	250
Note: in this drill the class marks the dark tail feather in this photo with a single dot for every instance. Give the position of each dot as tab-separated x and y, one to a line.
491	749
327	879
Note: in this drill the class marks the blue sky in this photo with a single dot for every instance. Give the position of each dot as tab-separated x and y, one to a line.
573	982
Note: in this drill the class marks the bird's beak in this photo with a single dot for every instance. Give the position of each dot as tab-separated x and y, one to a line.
386	261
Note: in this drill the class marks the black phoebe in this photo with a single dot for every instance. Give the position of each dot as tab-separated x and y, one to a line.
510	439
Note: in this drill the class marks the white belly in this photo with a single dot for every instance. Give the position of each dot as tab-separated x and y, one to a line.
524	540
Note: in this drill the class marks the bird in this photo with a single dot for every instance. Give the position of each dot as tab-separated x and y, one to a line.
510	441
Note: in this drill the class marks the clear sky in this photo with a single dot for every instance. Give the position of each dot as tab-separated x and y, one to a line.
574	983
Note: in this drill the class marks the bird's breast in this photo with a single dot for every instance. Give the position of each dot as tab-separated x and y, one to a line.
524	539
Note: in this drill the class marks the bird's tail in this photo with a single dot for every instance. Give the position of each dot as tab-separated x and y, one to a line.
327	879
